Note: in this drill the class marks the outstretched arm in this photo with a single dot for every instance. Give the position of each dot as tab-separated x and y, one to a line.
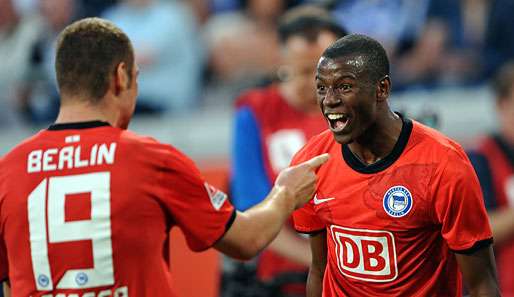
255	228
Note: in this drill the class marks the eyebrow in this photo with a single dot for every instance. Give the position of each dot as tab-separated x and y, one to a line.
346	76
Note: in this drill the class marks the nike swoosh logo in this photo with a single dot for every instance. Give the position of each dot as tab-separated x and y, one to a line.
319	201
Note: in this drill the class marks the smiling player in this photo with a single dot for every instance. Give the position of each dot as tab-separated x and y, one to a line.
398	209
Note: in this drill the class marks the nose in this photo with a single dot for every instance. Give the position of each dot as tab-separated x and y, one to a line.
331	99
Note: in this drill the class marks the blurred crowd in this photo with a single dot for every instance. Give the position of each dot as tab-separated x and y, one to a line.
205	52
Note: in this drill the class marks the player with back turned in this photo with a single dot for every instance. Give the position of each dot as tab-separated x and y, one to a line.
398	208
86	206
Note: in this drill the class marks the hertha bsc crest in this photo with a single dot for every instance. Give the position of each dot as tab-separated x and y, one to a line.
397	201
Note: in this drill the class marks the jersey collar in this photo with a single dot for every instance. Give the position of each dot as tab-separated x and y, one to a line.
384	163
77	125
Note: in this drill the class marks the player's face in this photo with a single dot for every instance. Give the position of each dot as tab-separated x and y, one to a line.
346	97
300	59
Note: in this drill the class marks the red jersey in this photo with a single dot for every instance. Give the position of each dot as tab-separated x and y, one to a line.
283	131
392	226
501	162
86	209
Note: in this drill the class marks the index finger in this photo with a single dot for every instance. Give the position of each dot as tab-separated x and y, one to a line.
317	161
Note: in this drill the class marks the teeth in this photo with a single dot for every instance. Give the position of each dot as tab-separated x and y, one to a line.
333	116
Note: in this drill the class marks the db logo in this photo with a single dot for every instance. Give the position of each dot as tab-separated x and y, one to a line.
367	255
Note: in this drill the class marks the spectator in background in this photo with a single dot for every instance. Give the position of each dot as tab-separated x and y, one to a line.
38	96
243	46
274	122
168	51
395	23
494	164
17	35
499	46
92	8
449	51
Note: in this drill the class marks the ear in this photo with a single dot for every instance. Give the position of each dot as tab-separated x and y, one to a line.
121	79
383	88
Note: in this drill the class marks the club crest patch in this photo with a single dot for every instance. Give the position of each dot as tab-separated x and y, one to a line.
397	201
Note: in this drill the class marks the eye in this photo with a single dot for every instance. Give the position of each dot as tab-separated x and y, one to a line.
344	87
321	88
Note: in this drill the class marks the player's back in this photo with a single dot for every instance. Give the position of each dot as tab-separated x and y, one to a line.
81	213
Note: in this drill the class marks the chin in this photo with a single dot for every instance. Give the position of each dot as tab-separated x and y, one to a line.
343	138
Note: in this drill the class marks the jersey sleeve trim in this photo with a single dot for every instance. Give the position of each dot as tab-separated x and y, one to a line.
229	223
476	246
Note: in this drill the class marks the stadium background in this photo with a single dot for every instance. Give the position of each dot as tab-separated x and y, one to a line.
196	56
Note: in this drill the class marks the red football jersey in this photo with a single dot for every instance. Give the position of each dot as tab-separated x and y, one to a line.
86	209
391	226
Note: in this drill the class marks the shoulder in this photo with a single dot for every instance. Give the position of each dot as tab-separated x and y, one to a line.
149	147
20	150
437	143
317	145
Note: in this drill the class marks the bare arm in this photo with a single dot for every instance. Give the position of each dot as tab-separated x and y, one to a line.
255	228
318	264
292	246
479	272
502	223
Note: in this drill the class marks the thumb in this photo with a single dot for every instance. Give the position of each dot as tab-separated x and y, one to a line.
317	161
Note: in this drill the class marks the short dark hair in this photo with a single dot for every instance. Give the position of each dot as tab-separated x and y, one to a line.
88	52
503	81
308	21
376	63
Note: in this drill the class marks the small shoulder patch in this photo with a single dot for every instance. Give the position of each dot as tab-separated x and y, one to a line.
217	197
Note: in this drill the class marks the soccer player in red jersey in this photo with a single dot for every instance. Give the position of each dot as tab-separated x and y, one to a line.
86	206
272	123
398	208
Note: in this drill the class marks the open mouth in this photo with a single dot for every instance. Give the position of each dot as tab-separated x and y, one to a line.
338	121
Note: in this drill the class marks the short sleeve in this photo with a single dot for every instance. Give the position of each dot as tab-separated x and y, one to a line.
202	212
459	206
305	219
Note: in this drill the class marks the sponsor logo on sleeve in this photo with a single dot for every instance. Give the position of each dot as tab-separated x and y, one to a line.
216	196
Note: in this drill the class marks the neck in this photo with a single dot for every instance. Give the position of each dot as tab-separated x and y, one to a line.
82	111
379	140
